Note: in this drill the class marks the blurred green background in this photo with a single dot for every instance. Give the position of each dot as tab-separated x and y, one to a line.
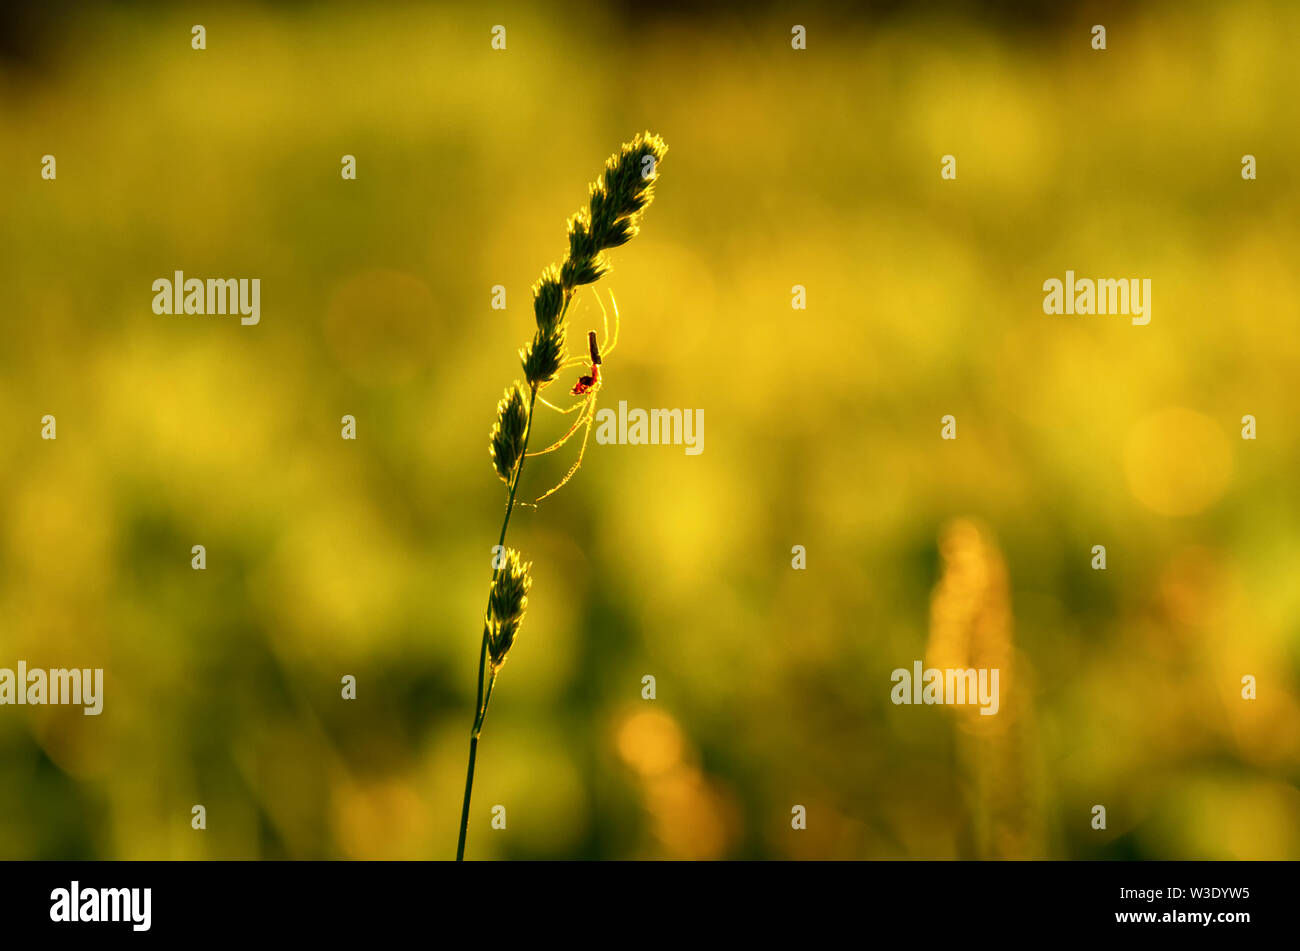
371	558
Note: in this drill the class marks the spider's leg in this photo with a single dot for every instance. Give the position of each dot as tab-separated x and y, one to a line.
564	412
574	468
582	417
609	345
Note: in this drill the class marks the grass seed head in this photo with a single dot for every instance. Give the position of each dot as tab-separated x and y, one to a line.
506	605
629	177
507	442
615	202
548	299
541	357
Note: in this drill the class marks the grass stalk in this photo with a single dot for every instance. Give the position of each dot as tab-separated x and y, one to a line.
485	696
612	218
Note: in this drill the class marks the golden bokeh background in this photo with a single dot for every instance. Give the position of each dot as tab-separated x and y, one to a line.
819	168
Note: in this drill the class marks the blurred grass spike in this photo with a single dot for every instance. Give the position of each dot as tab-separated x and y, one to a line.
971	626
616	201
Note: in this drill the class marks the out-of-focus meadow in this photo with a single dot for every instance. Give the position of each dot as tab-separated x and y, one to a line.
821	168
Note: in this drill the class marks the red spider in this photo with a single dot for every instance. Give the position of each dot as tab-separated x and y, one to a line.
585	383
587	387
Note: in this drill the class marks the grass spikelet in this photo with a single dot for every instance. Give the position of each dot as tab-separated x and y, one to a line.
506	605
507	437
